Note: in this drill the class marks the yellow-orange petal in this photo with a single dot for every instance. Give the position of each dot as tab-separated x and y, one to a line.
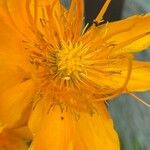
96	132
22	132
14	61
75	16
138	80
15	104
56	131
20	21
10	141
43	2
128	35
131	34
9	38
11	75
12	50
140	77
40	110
61	131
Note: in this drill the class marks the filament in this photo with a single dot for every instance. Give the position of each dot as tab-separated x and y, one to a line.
139	99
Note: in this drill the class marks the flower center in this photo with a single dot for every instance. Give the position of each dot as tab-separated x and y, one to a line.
68	61
78	76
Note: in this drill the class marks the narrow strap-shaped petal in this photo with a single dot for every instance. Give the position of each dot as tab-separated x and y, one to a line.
14	61
19	20
132	33
75	17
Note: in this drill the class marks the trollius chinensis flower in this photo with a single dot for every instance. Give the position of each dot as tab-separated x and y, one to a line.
56	74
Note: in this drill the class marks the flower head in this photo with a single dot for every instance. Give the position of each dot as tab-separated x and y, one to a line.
61	73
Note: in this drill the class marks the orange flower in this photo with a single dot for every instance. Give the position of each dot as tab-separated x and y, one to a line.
56	75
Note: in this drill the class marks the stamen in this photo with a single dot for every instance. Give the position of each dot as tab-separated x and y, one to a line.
36	100
45	24
84	29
